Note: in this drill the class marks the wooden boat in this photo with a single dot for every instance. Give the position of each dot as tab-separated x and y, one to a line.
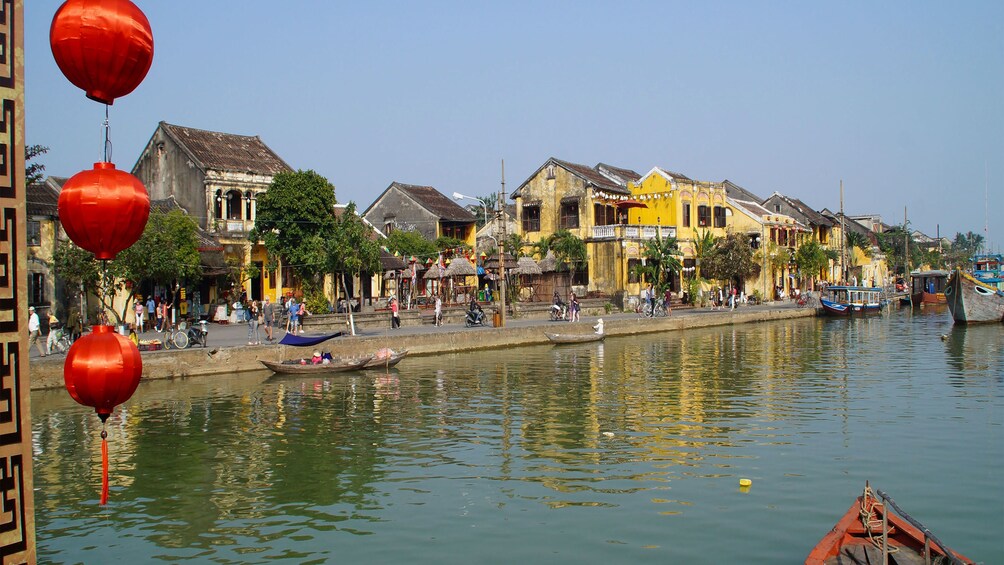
858	538
847	300
973	300
928	287
574	338
337	365
386	361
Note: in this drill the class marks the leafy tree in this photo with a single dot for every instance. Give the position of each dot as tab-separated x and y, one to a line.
704	242
964	246
569	250
811	258
895	242
239	272
408	243
444	243
295	217
351	250
732	259
856	239
661	259
33	172
775	257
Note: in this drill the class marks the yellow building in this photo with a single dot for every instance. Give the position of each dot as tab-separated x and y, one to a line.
43	231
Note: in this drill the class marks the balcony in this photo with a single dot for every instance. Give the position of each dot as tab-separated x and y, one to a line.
234	226
632	231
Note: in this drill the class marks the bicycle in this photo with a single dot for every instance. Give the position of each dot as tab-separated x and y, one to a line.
62	343
645	310
176	337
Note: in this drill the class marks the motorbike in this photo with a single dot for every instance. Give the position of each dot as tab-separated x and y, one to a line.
475	318
198	335
559	312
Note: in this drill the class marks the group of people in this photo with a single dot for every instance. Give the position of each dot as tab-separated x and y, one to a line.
262	315
73	325
573	306
154	314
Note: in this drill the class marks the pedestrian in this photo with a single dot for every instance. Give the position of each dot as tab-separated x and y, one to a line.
667	298
73	324
34	329
650	297
732	299
395	319
251	313
50	342
151	311
161	309
268	318
140	310
293	309
438	321
301	313
573	306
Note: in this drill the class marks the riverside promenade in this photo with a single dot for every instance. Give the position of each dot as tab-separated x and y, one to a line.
229	352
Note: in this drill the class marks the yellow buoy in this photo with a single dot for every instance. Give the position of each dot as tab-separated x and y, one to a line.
745	482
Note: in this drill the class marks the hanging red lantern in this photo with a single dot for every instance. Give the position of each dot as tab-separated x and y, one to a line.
102	370
104	47
104	210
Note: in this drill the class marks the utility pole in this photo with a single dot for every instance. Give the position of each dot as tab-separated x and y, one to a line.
502	236
843	236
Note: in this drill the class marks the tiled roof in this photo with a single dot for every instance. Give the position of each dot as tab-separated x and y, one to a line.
227	151
673	174
435	202
592	176
617	174
811	216
42	199
739	193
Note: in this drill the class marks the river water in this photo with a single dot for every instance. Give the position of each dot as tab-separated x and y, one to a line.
625	451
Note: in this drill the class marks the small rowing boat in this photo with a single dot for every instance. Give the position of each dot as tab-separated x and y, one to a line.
858	537
574	338
306	367
385	359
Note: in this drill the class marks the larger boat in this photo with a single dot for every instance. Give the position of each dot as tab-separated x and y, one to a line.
847	300
972	300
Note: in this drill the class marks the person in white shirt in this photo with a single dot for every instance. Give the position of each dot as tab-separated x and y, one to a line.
33	331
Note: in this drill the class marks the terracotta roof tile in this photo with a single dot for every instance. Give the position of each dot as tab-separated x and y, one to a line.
436	202
227	151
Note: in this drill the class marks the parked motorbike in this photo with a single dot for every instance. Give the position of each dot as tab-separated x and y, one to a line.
559	312
475	318
198	334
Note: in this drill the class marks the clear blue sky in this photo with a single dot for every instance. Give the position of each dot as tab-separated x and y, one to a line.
903	101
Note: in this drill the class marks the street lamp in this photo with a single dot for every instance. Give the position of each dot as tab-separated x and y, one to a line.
458	196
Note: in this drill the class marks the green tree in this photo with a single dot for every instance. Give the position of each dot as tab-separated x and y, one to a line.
732	259
569	250
408	243
295	217
351	250
964	246
895	242
775	257
661	259
33	172
811	258
444	243
704	242
856	239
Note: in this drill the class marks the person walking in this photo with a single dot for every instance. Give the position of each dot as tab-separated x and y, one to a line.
34	328
268	318
50	342
140	310
573	307
650	298
293	309
151	312
395	319
438	321
301	313
252	314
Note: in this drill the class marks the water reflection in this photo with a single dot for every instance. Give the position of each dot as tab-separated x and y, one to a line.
599	437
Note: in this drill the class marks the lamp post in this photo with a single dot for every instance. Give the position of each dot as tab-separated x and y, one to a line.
458	196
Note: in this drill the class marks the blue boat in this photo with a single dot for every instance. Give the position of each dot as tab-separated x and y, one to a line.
847	300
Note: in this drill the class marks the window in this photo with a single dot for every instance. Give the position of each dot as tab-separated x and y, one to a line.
531	218
569	215
247	204
36	289
550	172
686	214
289	277
633	266
719	216
581	275
704	216
34	233
233	205
604	215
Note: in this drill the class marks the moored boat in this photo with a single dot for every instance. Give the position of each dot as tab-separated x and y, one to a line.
928	287
869	533
847	300
574	338
973	300
385	359
306	367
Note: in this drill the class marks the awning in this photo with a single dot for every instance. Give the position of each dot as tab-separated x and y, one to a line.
629	203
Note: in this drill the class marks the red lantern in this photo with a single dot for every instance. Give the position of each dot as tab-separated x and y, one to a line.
104	47
104	210
102	370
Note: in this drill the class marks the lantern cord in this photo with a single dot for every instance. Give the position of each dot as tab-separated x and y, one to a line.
104	467
108	141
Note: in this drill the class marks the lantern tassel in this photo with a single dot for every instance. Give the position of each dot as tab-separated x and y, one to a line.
104	467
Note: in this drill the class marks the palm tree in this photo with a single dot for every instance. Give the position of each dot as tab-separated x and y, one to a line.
661	257
703	244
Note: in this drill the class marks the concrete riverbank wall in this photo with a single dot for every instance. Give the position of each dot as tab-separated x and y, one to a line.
198	362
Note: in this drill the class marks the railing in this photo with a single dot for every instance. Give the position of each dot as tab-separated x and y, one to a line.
234	226
625	231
